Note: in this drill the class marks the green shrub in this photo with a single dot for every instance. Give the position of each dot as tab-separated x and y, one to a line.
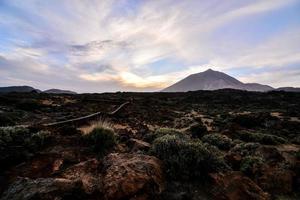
6	120
102	139
245	149
197	130
37	140
260	138
18	143
221	141
250	165
164	131
28	104
186	159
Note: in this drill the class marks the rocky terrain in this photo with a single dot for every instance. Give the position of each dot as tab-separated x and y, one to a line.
224	144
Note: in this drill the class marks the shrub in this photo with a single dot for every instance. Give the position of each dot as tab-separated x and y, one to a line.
28	104
254	120
164	131
260	138
297	154
6	120
197	130
37	140
250	165
248	121
245	149
221	141
18	143
186	159
102	139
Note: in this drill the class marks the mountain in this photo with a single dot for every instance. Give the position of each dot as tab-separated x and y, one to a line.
257	87
58	91
288	89
213	80
31	89
18	89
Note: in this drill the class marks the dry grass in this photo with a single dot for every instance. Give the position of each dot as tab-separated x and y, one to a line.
100	123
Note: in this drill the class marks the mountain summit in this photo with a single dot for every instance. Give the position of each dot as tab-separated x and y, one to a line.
213	80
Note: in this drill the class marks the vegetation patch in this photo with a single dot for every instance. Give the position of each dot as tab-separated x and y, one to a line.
221	141
18	143
186	159
101	138
261	138
164	131
250	165
197	130
245	149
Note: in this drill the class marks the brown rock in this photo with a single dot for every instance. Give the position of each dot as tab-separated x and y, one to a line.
130	176
235	186
269	153
276	181
88	173
234	159
138	145
43	188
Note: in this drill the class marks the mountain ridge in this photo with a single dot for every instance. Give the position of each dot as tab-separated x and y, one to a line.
25	89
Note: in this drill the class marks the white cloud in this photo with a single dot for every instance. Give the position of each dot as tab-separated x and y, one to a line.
94	33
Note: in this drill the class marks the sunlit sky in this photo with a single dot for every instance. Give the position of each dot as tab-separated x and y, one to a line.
146	45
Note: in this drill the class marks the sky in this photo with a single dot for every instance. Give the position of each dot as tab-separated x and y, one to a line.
146	45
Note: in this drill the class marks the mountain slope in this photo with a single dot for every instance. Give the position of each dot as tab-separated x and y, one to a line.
58	91
18	89
288	89
213	80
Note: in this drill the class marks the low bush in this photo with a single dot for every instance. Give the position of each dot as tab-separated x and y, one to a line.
248	121
6	120
164	131
250	165
19	143
28	105
254	120
260	138
186	159
197	130
245	149
221	141
101	139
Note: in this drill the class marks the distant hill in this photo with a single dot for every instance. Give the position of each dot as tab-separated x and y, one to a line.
31	89
58	91
288	89
213	80
18	89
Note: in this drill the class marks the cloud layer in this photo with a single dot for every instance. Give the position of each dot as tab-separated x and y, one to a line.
136	45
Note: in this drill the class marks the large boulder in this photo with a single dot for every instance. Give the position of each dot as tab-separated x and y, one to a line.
89	174
132	176
270	154
43	189
276	180
235	186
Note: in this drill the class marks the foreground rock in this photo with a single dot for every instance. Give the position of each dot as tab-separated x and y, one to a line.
235	186
132	176
88	173
138	145
277	181
43	188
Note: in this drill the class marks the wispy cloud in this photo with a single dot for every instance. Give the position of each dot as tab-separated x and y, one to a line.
114	45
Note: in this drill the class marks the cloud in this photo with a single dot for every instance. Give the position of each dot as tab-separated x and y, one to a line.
279	78
116	44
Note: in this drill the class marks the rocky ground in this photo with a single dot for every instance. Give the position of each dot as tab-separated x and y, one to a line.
223	144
